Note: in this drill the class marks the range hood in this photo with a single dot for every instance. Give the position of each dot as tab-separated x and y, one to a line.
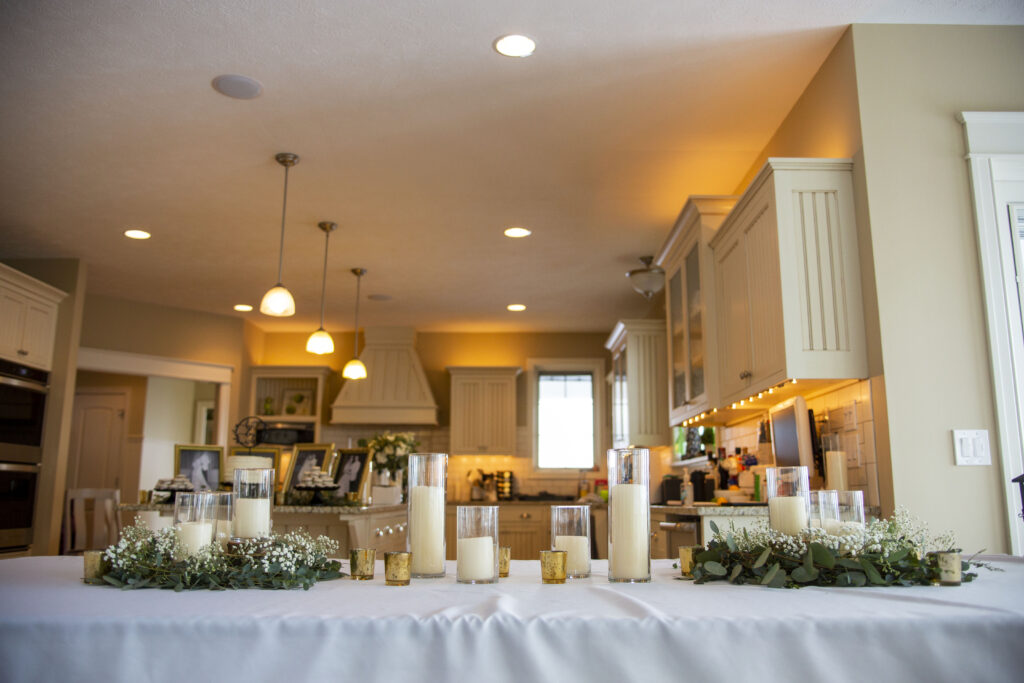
395	390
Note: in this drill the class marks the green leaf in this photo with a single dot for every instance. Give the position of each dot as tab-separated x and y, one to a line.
731	542
714	527
851	580
809	561
897	556
848	563
823	556
762	558
872	573
715	569
803	575
779	580
770	574
736	571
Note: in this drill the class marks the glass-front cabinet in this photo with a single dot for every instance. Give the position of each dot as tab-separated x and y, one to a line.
638	376
689	305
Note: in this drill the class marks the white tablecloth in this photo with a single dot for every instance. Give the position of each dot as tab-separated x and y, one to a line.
55	628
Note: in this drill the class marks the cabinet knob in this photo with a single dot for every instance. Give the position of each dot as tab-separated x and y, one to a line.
524	515
389	531
22	352
746	374
400	528
378	532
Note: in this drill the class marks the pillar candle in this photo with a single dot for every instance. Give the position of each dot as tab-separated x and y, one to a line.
426	529
252	517
788	514
629	549
835	471
194	535
475	558
577	550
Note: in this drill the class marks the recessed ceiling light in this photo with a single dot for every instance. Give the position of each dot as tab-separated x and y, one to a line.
516	307
237	86
244	308
517	232
515	45
136	234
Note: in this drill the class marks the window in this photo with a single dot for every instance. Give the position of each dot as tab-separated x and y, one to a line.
565	403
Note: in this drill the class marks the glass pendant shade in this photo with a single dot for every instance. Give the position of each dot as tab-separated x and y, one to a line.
320	342
354	369
278	301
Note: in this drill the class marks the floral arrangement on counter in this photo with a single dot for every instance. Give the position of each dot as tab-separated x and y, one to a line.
144	558
390	450
888	552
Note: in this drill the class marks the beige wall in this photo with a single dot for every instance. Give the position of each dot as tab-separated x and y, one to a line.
438	350
912	81
136	327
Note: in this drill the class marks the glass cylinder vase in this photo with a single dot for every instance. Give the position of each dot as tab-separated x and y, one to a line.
425	539
254	492
476	555
825	510
570	531
789	499
195	520
629	515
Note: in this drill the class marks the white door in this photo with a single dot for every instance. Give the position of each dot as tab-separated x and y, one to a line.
97	437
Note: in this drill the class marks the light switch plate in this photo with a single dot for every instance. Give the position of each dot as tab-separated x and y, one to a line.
970	447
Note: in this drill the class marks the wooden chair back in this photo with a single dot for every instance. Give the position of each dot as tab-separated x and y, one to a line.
78	535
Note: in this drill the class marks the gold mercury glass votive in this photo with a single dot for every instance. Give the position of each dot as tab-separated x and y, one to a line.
361	561
552	566
504	559
397	567
352	496
949	568
94	566
687	553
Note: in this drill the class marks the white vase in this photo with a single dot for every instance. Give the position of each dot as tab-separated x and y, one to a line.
384	478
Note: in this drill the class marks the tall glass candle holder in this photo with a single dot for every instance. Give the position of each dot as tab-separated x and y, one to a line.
789	499
570	531
425	539
629	515
476	555
254	491
224	513
194	520
825	510
851	510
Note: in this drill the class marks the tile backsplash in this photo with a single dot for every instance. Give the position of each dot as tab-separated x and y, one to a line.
845	417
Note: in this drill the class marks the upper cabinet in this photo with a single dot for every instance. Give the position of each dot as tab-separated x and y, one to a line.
639	374
690	306
787	286
28	319
289	394
483	410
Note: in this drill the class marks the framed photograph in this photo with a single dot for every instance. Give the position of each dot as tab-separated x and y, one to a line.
200	463
351	471
242	457
308	456
297	402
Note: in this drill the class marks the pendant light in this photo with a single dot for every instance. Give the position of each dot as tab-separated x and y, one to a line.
320	342
278	301
354	369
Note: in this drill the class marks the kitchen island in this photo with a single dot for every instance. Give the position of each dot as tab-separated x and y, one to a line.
54	627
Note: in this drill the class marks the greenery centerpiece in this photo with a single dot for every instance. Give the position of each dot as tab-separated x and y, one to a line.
391	450
888	552
144	558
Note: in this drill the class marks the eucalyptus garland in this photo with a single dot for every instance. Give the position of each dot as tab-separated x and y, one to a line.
144	558
883	553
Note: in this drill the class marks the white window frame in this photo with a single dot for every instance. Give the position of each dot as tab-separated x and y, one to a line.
995	157
595	367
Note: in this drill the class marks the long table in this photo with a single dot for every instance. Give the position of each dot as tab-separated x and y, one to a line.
54	627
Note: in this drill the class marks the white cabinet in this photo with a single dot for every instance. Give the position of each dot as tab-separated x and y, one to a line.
787	280
690	310
292	394
483	410
28	319
639	376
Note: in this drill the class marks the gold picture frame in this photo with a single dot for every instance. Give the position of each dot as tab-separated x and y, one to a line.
243	457
323	453
201	463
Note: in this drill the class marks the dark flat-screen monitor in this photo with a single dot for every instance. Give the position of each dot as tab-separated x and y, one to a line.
791	434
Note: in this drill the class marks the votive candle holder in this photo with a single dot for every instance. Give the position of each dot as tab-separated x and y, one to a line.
552	566
361	563
397	568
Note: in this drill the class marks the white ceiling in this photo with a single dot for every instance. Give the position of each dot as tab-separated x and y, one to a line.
418	139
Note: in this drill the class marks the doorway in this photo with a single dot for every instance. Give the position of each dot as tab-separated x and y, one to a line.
97	439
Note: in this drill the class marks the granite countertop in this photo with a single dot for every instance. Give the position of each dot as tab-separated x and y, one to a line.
715	510
303	509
